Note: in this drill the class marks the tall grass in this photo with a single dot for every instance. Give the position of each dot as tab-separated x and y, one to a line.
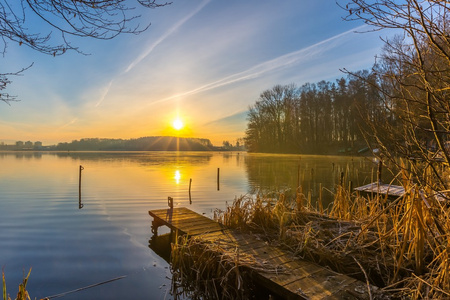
201	271
22	294
401	245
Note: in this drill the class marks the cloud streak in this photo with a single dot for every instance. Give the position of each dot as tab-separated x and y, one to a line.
105	92
280	62
73	121
150	49
166	35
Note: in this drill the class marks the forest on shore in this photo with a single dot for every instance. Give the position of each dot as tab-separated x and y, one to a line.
150	143
315	118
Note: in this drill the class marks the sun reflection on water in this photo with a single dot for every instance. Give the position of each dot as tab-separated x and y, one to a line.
177	176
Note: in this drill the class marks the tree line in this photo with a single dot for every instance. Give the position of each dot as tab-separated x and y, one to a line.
315	117
151	143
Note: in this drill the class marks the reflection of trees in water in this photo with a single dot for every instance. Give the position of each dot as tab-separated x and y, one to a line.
141	158
22	154
283	173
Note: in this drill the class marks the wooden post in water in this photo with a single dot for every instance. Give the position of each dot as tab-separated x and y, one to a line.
320	199
80	205
190	183
218	178
380	165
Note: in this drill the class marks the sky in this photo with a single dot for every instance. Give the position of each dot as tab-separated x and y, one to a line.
204	62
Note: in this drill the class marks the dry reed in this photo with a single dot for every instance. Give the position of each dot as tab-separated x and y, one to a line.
22	294
203	270
401	245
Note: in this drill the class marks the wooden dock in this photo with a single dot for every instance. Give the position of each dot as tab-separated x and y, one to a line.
395	191
382	189
299	279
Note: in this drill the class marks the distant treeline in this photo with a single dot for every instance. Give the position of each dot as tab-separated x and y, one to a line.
315	118
152	143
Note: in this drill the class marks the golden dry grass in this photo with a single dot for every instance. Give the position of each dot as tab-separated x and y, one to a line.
200	271
401	245
22	294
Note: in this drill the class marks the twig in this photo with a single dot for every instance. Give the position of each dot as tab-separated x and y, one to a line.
83	288
432	286
365	275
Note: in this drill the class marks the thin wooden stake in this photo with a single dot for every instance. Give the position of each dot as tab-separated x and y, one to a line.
380	165
190	183
218	178
320	199
80	205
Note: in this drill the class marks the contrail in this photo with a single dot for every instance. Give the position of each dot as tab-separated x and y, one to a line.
166	35
270	65
153	46
68	124
105	92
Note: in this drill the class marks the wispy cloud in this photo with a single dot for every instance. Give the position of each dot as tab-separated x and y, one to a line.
280	62
166	35
104	93
235	118
149	50
69	123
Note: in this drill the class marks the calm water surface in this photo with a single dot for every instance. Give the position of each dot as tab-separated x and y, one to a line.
69	244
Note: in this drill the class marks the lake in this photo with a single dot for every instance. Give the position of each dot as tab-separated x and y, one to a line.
71	244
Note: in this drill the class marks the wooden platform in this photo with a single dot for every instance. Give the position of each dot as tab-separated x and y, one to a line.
383	189
296	279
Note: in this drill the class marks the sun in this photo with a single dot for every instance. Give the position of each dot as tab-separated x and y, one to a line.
177	124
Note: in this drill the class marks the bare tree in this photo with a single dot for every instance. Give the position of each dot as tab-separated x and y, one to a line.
414	81
64	19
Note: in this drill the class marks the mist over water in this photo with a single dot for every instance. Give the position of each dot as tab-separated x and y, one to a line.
71	241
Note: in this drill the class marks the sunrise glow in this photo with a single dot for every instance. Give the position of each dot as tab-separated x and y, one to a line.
163	85
177	124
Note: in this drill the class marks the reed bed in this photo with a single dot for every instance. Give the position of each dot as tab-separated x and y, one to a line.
202	271
400	245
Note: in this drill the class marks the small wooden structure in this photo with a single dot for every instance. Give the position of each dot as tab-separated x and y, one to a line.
297	279
382	189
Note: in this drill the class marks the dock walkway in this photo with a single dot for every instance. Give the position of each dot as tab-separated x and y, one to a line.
382	189
299	280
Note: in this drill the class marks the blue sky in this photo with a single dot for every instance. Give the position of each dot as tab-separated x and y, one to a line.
204	62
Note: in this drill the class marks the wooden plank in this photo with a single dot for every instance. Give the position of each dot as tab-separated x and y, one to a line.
184	220
291	270
276	269
226	236
382	188
319	285
174	214
190	223
198	230
398	191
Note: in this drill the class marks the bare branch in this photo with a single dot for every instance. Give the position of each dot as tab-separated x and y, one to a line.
98	19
